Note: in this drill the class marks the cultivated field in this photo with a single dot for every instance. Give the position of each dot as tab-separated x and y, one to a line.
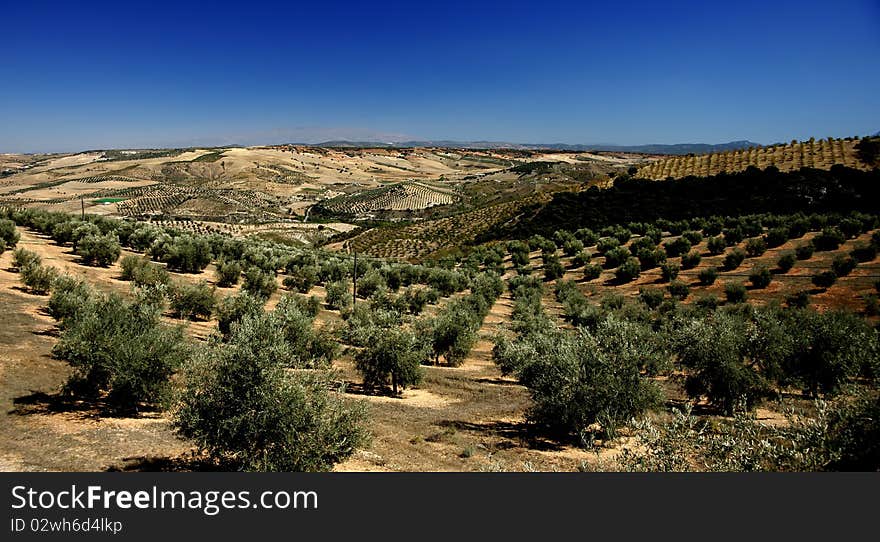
645	334
821	154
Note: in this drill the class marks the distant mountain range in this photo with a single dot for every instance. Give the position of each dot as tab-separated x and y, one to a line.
679	148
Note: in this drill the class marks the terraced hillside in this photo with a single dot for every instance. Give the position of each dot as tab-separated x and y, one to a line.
433	237
470	407
820	154
409	196
277	187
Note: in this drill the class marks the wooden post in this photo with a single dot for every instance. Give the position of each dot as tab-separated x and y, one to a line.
82	203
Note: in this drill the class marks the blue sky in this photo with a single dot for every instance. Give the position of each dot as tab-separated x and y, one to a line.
124	75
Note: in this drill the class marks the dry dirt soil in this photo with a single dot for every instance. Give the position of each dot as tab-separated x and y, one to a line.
465	418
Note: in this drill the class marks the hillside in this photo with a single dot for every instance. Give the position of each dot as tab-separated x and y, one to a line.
408	196
301	194
820	154
839	189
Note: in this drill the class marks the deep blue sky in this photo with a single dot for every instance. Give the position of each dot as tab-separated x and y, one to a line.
134	74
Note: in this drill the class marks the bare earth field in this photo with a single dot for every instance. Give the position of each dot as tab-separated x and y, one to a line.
274	190
399	204
464	418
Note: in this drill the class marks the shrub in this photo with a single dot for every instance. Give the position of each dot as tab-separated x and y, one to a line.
338	294
677	227
829	239
716	245
587	236
611	301
371	282
413	300
445	281
805	251
188	254
678	290
193	301
760	277
581	259
142	272
235	307
798	227
22	257
83	230
552	268
654	234
121	349
572	247
864	253
715	351
735	292
101	250
825	279
592	272
776	237
520	259
707	276
238	403
677	247
562	236
394	356
578	379
850	227
607	243
707	302
453	334
616	256
309	348
228	273
853	433
843	265
669	271
713	226
259	283
733	259
733	236
650	258
38	278
786	261
9	233
755	247
830	348
798	300
628	270
641	243
693	237
301	279
690	260
69	296
130	265
621	234
652	297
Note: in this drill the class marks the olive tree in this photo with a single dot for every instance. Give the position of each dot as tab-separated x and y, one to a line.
394	357
239	404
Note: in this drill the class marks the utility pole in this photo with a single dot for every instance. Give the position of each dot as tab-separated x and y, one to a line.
354	290
82	204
